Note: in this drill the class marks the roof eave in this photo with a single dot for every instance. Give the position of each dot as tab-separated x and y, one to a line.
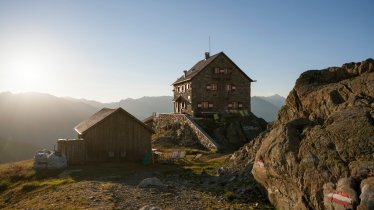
80	133
178	82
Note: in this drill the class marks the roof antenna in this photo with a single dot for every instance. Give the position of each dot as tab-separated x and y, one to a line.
209	44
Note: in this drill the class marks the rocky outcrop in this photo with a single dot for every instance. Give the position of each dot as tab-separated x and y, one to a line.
235	130
322	145
181	130
227	132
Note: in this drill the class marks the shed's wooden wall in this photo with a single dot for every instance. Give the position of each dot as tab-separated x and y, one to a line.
74	150
119	135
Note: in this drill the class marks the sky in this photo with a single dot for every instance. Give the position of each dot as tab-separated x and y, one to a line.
112	50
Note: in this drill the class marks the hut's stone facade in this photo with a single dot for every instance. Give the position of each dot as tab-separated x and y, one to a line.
214	84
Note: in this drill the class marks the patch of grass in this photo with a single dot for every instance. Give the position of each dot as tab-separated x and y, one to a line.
4	185
230	196
18	171
35	185
206	167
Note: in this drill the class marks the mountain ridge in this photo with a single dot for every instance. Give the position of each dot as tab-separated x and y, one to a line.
37	120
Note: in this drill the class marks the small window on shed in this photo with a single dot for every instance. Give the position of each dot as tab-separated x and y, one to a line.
234	104
210	105
205	104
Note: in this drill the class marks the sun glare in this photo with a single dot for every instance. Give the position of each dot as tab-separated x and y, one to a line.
26	70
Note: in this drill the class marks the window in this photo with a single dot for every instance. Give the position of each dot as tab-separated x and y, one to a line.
230	87
199	105
211	87
234	104
219	70
240	105
205	104
210	105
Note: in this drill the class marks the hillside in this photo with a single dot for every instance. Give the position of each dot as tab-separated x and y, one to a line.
193	184
39	119
14	151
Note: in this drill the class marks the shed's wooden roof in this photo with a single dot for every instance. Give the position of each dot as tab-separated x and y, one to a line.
199	66
102	115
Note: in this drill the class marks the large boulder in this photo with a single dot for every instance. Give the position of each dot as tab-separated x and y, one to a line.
235	130
322	144
151	182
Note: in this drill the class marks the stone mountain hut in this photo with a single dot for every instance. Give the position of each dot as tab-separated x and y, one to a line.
108	135
213	85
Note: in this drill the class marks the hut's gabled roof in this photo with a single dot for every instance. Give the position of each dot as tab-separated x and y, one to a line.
100	116
199	66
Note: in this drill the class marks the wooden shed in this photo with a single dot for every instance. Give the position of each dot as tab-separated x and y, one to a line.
112	135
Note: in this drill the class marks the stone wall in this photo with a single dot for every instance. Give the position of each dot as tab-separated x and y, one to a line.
221	97
203	137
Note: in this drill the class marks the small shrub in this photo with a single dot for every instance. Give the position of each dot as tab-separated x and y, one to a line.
4	185
229	195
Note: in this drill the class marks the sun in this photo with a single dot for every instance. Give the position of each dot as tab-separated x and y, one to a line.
26	71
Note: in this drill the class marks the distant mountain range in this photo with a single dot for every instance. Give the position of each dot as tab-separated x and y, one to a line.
140	108
30	121
267	107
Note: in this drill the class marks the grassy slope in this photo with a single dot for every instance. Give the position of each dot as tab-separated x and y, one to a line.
95	186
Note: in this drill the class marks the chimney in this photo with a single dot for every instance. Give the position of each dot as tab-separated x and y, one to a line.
207	55
185	73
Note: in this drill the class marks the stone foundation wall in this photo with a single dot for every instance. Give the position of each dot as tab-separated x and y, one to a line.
203	137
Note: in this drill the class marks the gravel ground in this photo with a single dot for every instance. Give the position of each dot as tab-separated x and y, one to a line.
116	187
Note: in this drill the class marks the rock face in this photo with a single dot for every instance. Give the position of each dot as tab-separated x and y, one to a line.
230	130
234	130
171	133
319	153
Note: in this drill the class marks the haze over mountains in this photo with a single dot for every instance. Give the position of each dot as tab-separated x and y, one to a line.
31	121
